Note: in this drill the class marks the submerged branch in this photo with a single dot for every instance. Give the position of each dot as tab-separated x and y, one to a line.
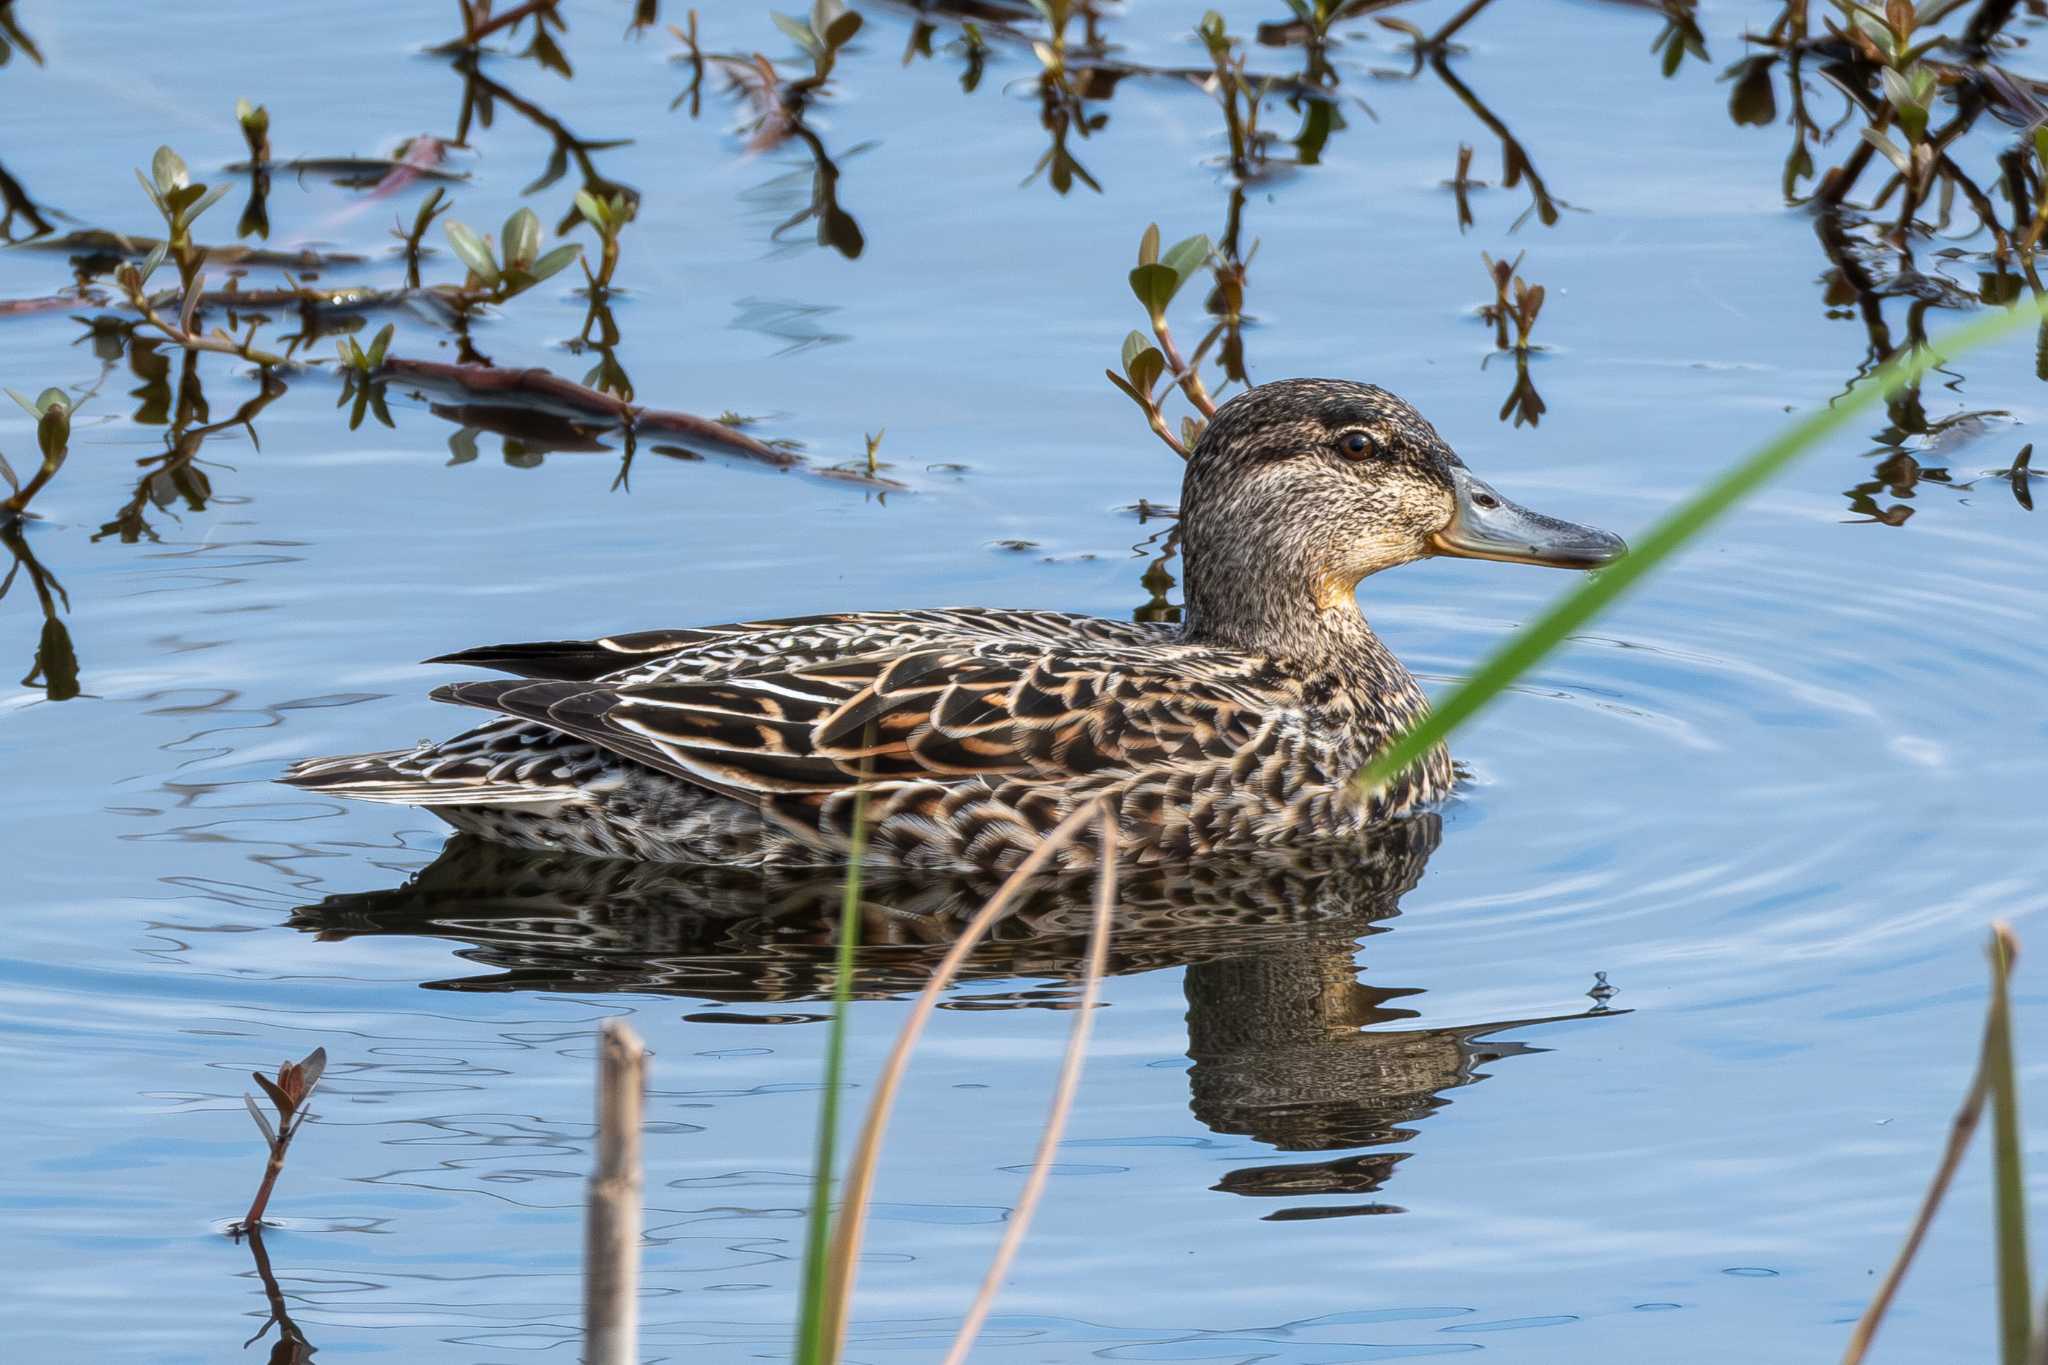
544	391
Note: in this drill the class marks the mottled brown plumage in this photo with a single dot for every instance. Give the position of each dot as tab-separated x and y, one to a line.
961	736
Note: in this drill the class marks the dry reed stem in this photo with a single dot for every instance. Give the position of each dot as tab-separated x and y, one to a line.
611	1224
1062	1103
843	1260
1961	1129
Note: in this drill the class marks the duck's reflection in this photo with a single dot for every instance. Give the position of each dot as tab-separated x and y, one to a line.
1282	1034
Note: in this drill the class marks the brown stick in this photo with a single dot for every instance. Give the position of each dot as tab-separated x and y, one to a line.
542	388
611	1224
1062	1101
843	1262
546	391
1961	1129
53	303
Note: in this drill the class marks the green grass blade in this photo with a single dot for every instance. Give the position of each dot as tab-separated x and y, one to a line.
2009	1186
813	1344
1681	525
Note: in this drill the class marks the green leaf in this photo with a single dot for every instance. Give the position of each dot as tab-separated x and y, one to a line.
2009	1184
1155	286
7	473
840	31
462	446
206	201
1679	527
1184	258
521	240
51	397
594	210
1889	148
554	261
812	1345
168	169
53	432
155	196
1142	362
156	256
797	29
1148	245
27	404
472	250
1134	342
1124	385
381	343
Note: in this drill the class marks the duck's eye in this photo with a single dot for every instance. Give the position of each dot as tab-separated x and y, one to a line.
1358	445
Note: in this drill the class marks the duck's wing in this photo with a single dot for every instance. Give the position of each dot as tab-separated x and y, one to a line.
708	652
918	726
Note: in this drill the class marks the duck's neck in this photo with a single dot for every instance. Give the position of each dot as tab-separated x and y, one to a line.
1313	622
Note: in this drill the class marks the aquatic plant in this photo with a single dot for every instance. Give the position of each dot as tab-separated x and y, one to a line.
411	239
170	187
289	1095
1236	93
829	27
608	218
52	409
1514	300
516	265
360	386
254	120
1156	280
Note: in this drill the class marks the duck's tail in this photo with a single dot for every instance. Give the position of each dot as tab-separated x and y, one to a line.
416	777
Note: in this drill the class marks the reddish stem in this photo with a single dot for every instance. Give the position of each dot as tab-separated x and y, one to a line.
271	1172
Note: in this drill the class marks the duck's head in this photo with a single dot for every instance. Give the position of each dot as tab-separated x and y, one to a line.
1300	488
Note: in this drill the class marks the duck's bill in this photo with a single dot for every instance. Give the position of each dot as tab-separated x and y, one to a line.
1488	526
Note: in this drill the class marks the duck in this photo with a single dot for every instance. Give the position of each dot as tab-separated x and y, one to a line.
957	738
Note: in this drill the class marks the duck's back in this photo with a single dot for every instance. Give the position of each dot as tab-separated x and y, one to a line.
956	737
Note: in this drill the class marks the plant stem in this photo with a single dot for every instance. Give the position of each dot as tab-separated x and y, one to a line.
817	1343
270	1174
2015	1287
1190	382
867	1150
1062	1100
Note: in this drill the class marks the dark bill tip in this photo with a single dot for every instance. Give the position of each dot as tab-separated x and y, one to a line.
1486	525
